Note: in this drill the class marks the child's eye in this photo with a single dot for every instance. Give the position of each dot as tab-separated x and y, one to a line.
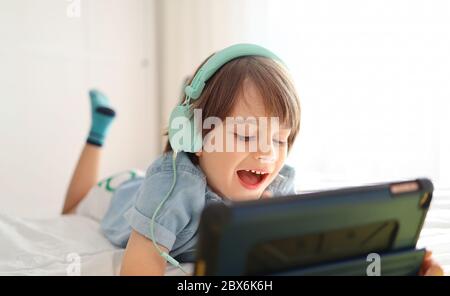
278	142
252	138
245	138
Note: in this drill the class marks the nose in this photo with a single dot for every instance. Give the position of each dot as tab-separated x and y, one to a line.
266	153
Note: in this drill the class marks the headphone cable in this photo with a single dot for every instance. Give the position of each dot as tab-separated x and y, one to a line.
163	254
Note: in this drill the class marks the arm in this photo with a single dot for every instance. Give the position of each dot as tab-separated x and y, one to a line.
142	258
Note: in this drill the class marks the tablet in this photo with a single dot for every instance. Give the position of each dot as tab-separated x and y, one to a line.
331	232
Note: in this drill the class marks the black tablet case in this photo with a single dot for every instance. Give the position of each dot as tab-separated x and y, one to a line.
322	233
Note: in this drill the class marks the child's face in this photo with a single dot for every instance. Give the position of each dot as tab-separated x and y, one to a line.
226	171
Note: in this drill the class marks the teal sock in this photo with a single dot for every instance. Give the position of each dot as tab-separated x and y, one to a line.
102	117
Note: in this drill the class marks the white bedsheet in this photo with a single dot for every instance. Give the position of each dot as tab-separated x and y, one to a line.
56	246
52	246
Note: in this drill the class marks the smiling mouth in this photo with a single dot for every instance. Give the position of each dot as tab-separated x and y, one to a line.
251	179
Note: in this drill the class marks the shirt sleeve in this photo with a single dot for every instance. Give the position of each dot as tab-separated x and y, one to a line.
177	212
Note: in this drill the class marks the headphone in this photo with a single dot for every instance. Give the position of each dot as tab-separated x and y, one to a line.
182	114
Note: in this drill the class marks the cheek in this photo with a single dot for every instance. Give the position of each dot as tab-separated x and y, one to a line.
282	154
220	166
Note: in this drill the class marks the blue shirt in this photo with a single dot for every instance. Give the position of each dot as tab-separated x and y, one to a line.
176	224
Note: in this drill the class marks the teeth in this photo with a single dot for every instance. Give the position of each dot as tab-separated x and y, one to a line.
256	172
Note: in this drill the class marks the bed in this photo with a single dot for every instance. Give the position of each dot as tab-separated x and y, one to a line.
66	245
74	245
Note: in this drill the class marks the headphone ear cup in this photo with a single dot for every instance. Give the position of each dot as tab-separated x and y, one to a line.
183	133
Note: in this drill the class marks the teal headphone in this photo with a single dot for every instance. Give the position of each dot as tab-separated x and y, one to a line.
194	90
183	114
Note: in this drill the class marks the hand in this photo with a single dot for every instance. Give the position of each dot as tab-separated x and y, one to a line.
430	267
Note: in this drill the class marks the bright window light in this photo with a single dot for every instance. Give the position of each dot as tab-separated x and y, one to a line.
374	82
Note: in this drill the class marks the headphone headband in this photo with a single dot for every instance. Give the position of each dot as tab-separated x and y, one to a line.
219	59
192	135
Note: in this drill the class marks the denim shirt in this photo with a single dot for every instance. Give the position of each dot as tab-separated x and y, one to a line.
176	224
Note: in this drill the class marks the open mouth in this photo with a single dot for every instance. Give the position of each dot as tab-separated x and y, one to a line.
251	179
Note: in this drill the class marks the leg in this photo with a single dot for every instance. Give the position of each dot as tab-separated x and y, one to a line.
87	169
84	177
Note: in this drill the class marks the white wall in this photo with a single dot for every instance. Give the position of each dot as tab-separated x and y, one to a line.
48	62
191	30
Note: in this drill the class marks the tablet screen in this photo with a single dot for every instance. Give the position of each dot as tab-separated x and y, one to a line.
306	250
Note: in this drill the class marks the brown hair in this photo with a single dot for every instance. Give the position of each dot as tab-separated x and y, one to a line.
269	77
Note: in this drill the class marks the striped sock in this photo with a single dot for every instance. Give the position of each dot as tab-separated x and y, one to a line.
102	117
